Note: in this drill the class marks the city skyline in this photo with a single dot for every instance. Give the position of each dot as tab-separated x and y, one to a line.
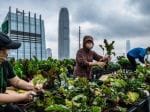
124	20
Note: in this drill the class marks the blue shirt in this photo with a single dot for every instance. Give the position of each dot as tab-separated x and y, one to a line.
137	52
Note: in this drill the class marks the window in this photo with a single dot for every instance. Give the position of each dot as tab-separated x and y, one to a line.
13	25
20	26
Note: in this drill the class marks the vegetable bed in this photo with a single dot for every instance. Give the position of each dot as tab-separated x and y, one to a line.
120	92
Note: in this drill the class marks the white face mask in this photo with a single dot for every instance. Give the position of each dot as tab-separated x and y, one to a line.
89	45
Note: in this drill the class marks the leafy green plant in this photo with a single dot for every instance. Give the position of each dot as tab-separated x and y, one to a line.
39	79
119	83
132	97
18	68
57	108
95	109
108	47
116	94
123	61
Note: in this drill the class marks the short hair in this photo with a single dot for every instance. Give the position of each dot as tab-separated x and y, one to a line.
148	48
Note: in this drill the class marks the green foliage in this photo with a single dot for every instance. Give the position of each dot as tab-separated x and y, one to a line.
119	83
132	97
95	109
113	66
108	47
18	68
79	94
39	79
57	108
123	61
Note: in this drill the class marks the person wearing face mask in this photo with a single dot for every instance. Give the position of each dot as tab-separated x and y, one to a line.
137	55
85	57
7	75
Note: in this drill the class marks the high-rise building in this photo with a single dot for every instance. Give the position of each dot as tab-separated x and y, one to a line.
27	29
128	45
49	52
63	34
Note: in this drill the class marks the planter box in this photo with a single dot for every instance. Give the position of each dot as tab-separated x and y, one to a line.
142	106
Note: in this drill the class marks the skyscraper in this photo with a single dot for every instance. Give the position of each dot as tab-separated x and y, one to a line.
128	45
63	34
27	29
49	52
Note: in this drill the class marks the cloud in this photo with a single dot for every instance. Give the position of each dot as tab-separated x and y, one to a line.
118	20
143	6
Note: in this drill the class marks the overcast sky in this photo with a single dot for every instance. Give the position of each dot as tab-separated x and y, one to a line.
118	20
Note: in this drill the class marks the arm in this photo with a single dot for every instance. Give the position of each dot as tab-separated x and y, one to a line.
141	59
93	63
141	56
82	61
100	60
10	98
97	57
19	83
16	81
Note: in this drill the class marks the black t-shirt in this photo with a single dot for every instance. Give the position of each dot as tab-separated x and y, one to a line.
8	73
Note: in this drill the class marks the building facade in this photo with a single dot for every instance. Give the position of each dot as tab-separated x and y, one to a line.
49	52
128	46
27	29
63	34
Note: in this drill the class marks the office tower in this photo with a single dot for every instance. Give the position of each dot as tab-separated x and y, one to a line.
128	45
27	29
63	34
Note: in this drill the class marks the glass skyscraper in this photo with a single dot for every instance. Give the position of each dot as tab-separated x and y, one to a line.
128	46
27	29
63	34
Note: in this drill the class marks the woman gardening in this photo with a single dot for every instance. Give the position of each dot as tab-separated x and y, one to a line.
7	75
85	57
